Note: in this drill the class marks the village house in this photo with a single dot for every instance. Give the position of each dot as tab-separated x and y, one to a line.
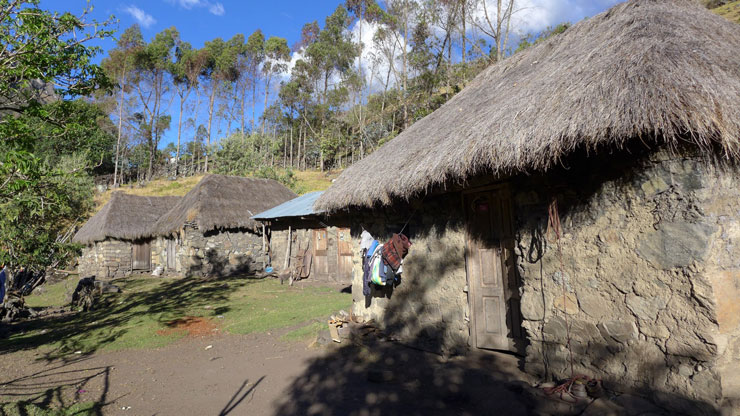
578	204
117	238
294	228
209	232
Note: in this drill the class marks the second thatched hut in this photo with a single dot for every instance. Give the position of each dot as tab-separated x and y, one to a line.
209	232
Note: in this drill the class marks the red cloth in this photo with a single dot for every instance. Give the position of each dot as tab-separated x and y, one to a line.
395	250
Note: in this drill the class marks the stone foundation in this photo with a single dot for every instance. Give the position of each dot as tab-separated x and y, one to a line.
105	259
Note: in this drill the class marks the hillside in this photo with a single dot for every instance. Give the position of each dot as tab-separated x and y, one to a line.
730	11
306	181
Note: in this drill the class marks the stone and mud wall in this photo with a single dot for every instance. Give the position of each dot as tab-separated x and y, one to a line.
218	252
649	284
105	259
429	307
647	293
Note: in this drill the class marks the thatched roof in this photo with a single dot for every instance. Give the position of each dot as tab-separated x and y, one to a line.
125	217
220	202
660	71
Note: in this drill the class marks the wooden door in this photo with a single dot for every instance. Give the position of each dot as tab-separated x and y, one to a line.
171	250
320	245
493	291
344	256
142	256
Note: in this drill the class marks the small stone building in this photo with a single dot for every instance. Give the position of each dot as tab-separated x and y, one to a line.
295	226
210	231
578	204
117	238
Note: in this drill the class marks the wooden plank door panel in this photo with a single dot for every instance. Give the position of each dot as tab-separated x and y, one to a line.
344	255
493	295
320	251
142	256
171	250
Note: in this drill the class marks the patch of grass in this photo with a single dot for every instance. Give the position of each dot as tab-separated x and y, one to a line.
54	294
31	409
158	187
730	11
306	332
312	180
147	305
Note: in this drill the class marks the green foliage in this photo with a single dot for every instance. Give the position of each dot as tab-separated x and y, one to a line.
530	40
40	198
39	207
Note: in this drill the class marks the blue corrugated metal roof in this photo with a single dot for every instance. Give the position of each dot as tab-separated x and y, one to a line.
296	207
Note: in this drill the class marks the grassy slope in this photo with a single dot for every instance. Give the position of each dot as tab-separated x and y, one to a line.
730	11
306	181
133	318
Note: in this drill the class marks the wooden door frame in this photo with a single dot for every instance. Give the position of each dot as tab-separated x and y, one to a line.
133	254
339	252
507	271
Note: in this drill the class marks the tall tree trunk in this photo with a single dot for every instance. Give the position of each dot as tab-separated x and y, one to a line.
120	125
179	135
405	67
211	102
291	145
267	94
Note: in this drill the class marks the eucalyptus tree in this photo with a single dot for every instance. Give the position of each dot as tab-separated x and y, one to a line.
117	65
153	62
251	61
277	57
221	66
363	11
185	72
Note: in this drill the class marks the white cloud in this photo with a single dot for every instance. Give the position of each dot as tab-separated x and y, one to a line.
141	16
216	8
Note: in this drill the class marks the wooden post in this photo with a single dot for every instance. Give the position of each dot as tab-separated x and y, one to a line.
264	254
287	250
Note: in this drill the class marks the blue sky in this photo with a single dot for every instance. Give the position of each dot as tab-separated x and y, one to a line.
199	21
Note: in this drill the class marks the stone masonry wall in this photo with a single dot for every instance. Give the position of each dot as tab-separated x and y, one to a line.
648	287
105	259
429	308
218	253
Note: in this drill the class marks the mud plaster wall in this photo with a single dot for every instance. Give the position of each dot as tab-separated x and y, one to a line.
218	252
302	233
105	259
651	269
429	308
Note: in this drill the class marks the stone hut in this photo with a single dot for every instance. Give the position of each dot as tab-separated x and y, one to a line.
210	231
578	204
295	226
117	239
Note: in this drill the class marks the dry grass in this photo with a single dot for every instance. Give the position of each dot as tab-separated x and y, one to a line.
313	180
730	11
159	187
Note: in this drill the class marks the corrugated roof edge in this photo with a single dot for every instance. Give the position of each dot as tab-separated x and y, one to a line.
296	207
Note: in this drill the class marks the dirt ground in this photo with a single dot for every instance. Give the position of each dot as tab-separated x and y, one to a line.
261	374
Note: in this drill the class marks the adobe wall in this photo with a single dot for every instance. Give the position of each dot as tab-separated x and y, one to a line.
105	259
218	253
429	308
649	288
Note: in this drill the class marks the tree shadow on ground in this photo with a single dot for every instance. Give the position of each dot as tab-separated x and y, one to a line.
116	314
60	386
242	393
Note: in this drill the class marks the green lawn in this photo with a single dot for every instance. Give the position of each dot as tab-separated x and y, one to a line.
139	317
